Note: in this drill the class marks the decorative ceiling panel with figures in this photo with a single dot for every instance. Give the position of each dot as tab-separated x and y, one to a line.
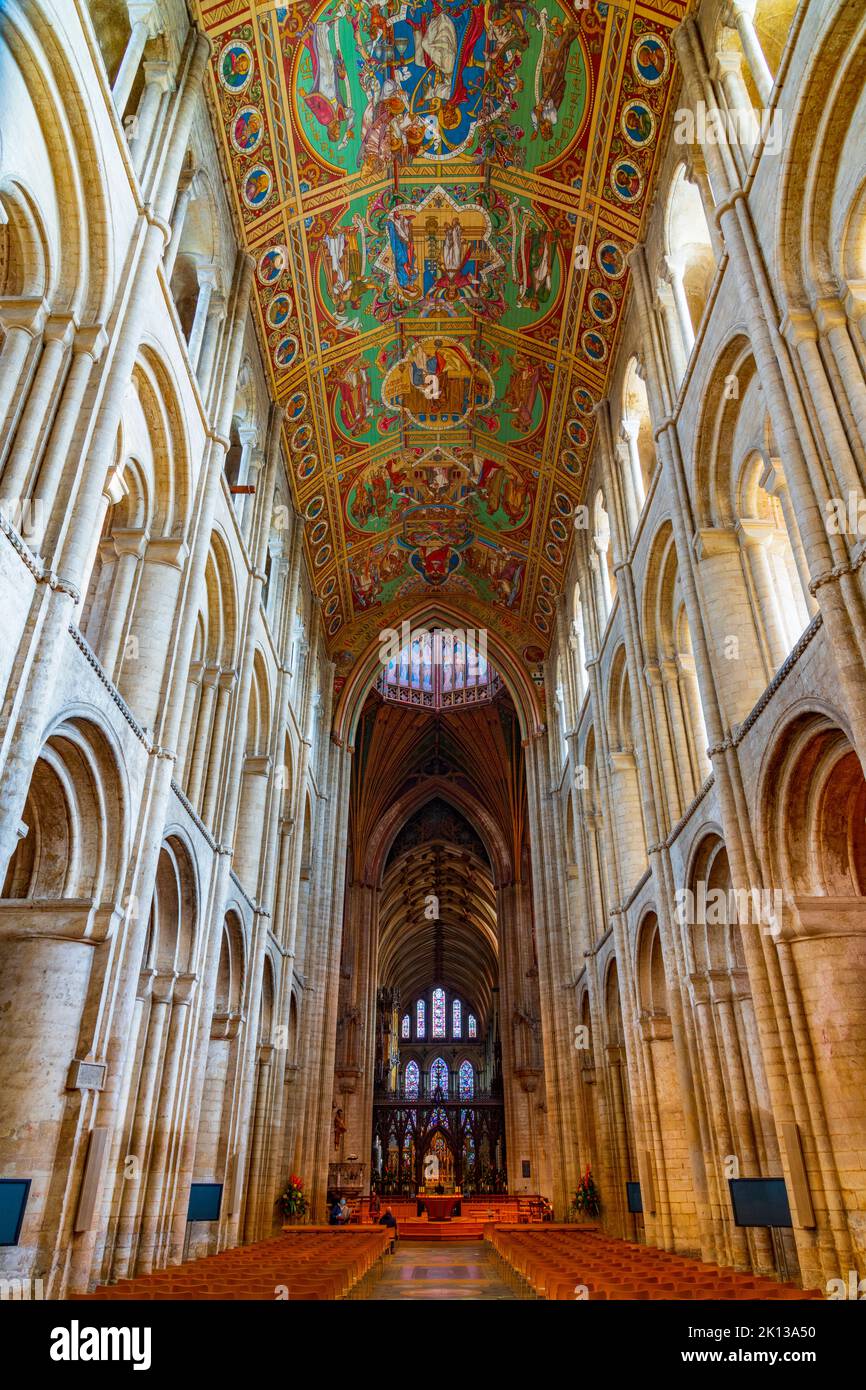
440	198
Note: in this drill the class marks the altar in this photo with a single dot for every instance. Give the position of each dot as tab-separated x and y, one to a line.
439	1208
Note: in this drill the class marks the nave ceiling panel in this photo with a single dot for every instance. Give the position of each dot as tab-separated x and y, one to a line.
440	199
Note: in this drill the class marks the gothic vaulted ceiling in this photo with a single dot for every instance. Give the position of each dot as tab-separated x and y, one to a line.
440	198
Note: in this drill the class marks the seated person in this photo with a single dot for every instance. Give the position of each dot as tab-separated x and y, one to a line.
389	1219
340	1213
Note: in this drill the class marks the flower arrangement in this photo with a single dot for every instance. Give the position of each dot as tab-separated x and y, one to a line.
586	1200
293	1200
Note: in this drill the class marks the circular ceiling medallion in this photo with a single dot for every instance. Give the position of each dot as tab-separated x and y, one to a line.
272	263
650	60
257	187
595	348
247	129
601	306
553	553
637	123
278	310
296	405
285	352
235	67
611	260
626	180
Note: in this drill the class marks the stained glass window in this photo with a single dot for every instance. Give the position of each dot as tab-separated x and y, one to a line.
467	1081
420	1018
411	1081
405	1027
439	1076
441	669
456	1019
473	1026
438	1013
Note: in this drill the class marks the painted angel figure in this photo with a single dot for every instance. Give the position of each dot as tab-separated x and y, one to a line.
327	99
551	73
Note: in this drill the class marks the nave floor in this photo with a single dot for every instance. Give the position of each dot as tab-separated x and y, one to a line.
466	1270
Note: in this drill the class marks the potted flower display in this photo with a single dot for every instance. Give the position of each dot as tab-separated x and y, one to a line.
586	1201
292	1201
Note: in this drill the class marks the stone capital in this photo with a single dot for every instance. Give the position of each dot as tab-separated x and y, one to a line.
157	73
822	918
27	314
168	550
755	531
655	1027
829	314
798	326
711	541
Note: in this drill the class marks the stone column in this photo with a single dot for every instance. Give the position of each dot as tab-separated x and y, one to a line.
251	818
143	672
185	194
18	474
161	992
213	328
822	944
773	481
153	1213
754	537
127	548
22	320
742	126
206	285
144	22
741	16
157	81
202	736
217	751
87	348
185	732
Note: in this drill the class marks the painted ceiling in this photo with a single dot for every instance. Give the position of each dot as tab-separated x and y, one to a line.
440	199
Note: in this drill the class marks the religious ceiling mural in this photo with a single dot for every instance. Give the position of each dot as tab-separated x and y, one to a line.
440	198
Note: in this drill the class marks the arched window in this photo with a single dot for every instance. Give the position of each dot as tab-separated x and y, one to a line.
602	557
438	1013
441	669
466	1080
472	1026
561	711
411	1081
439	1076
456	1019
577	642
406	1027
420	1019
688	268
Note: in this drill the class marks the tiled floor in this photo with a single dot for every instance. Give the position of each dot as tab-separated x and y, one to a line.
418	1270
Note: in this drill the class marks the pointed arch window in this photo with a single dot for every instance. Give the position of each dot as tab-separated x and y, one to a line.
439	1076
438	1013
406	1027
472	1026
420	1019
456	1019
411	1081
466	1078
